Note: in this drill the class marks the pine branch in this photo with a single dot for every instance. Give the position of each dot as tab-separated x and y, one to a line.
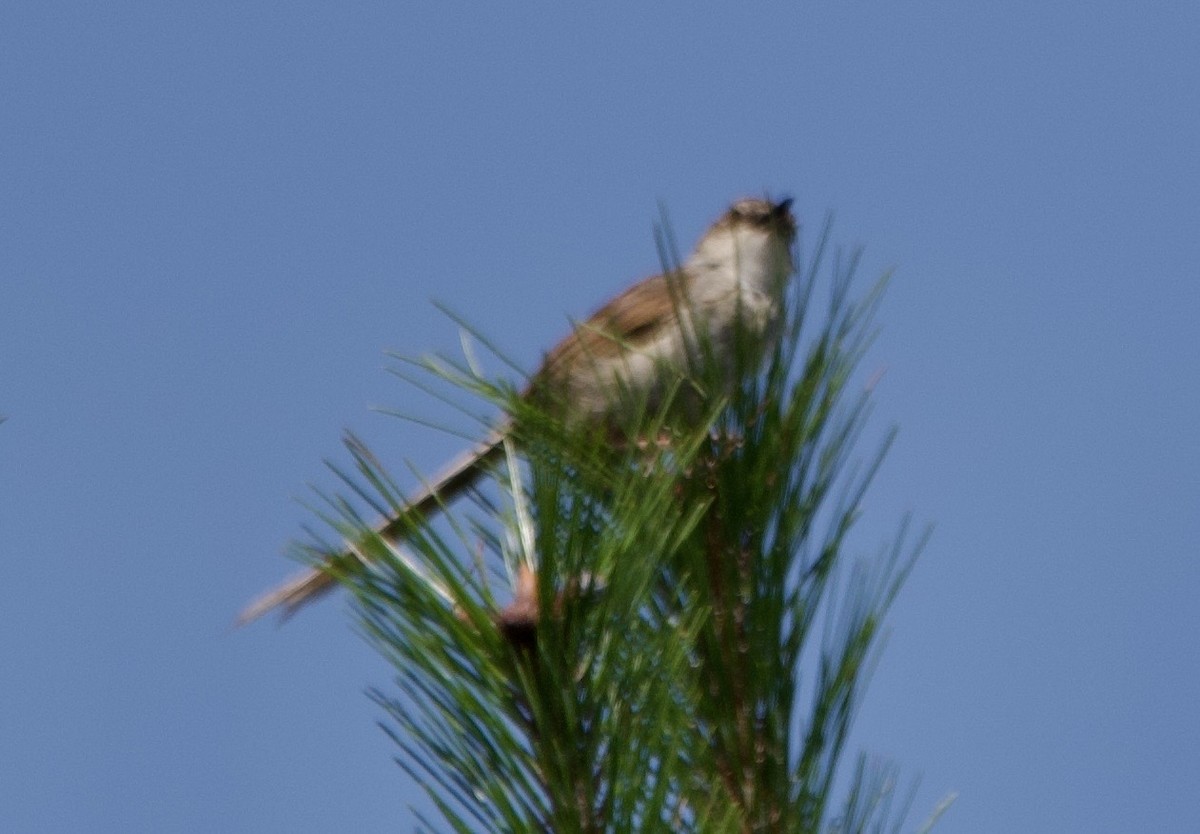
646	667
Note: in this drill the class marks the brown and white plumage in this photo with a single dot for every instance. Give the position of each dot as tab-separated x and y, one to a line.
735	274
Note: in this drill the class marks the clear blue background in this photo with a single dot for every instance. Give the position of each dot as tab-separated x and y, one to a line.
214	218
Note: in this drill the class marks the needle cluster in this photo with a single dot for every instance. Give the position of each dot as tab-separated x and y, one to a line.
661	634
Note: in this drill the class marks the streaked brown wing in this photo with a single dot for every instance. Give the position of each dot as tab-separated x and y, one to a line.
627	321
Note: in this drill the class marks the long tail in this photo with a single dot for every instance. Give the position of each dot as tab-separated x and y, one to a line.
458	475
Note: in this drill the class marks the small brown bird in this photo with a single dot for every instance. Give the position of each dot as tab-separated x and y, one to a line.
733	281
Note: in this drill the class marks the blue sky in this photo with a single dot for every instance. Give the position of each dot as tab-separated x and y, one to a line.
215	218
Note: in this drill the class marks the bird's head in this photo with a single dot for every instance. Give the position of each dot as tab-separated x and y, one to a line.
754	237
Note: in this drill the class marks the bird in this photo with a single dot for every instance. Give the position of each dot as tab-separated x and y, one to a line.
629	353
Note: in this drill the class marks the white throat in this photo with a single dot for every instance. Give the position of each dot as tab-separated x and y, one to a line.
740	257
